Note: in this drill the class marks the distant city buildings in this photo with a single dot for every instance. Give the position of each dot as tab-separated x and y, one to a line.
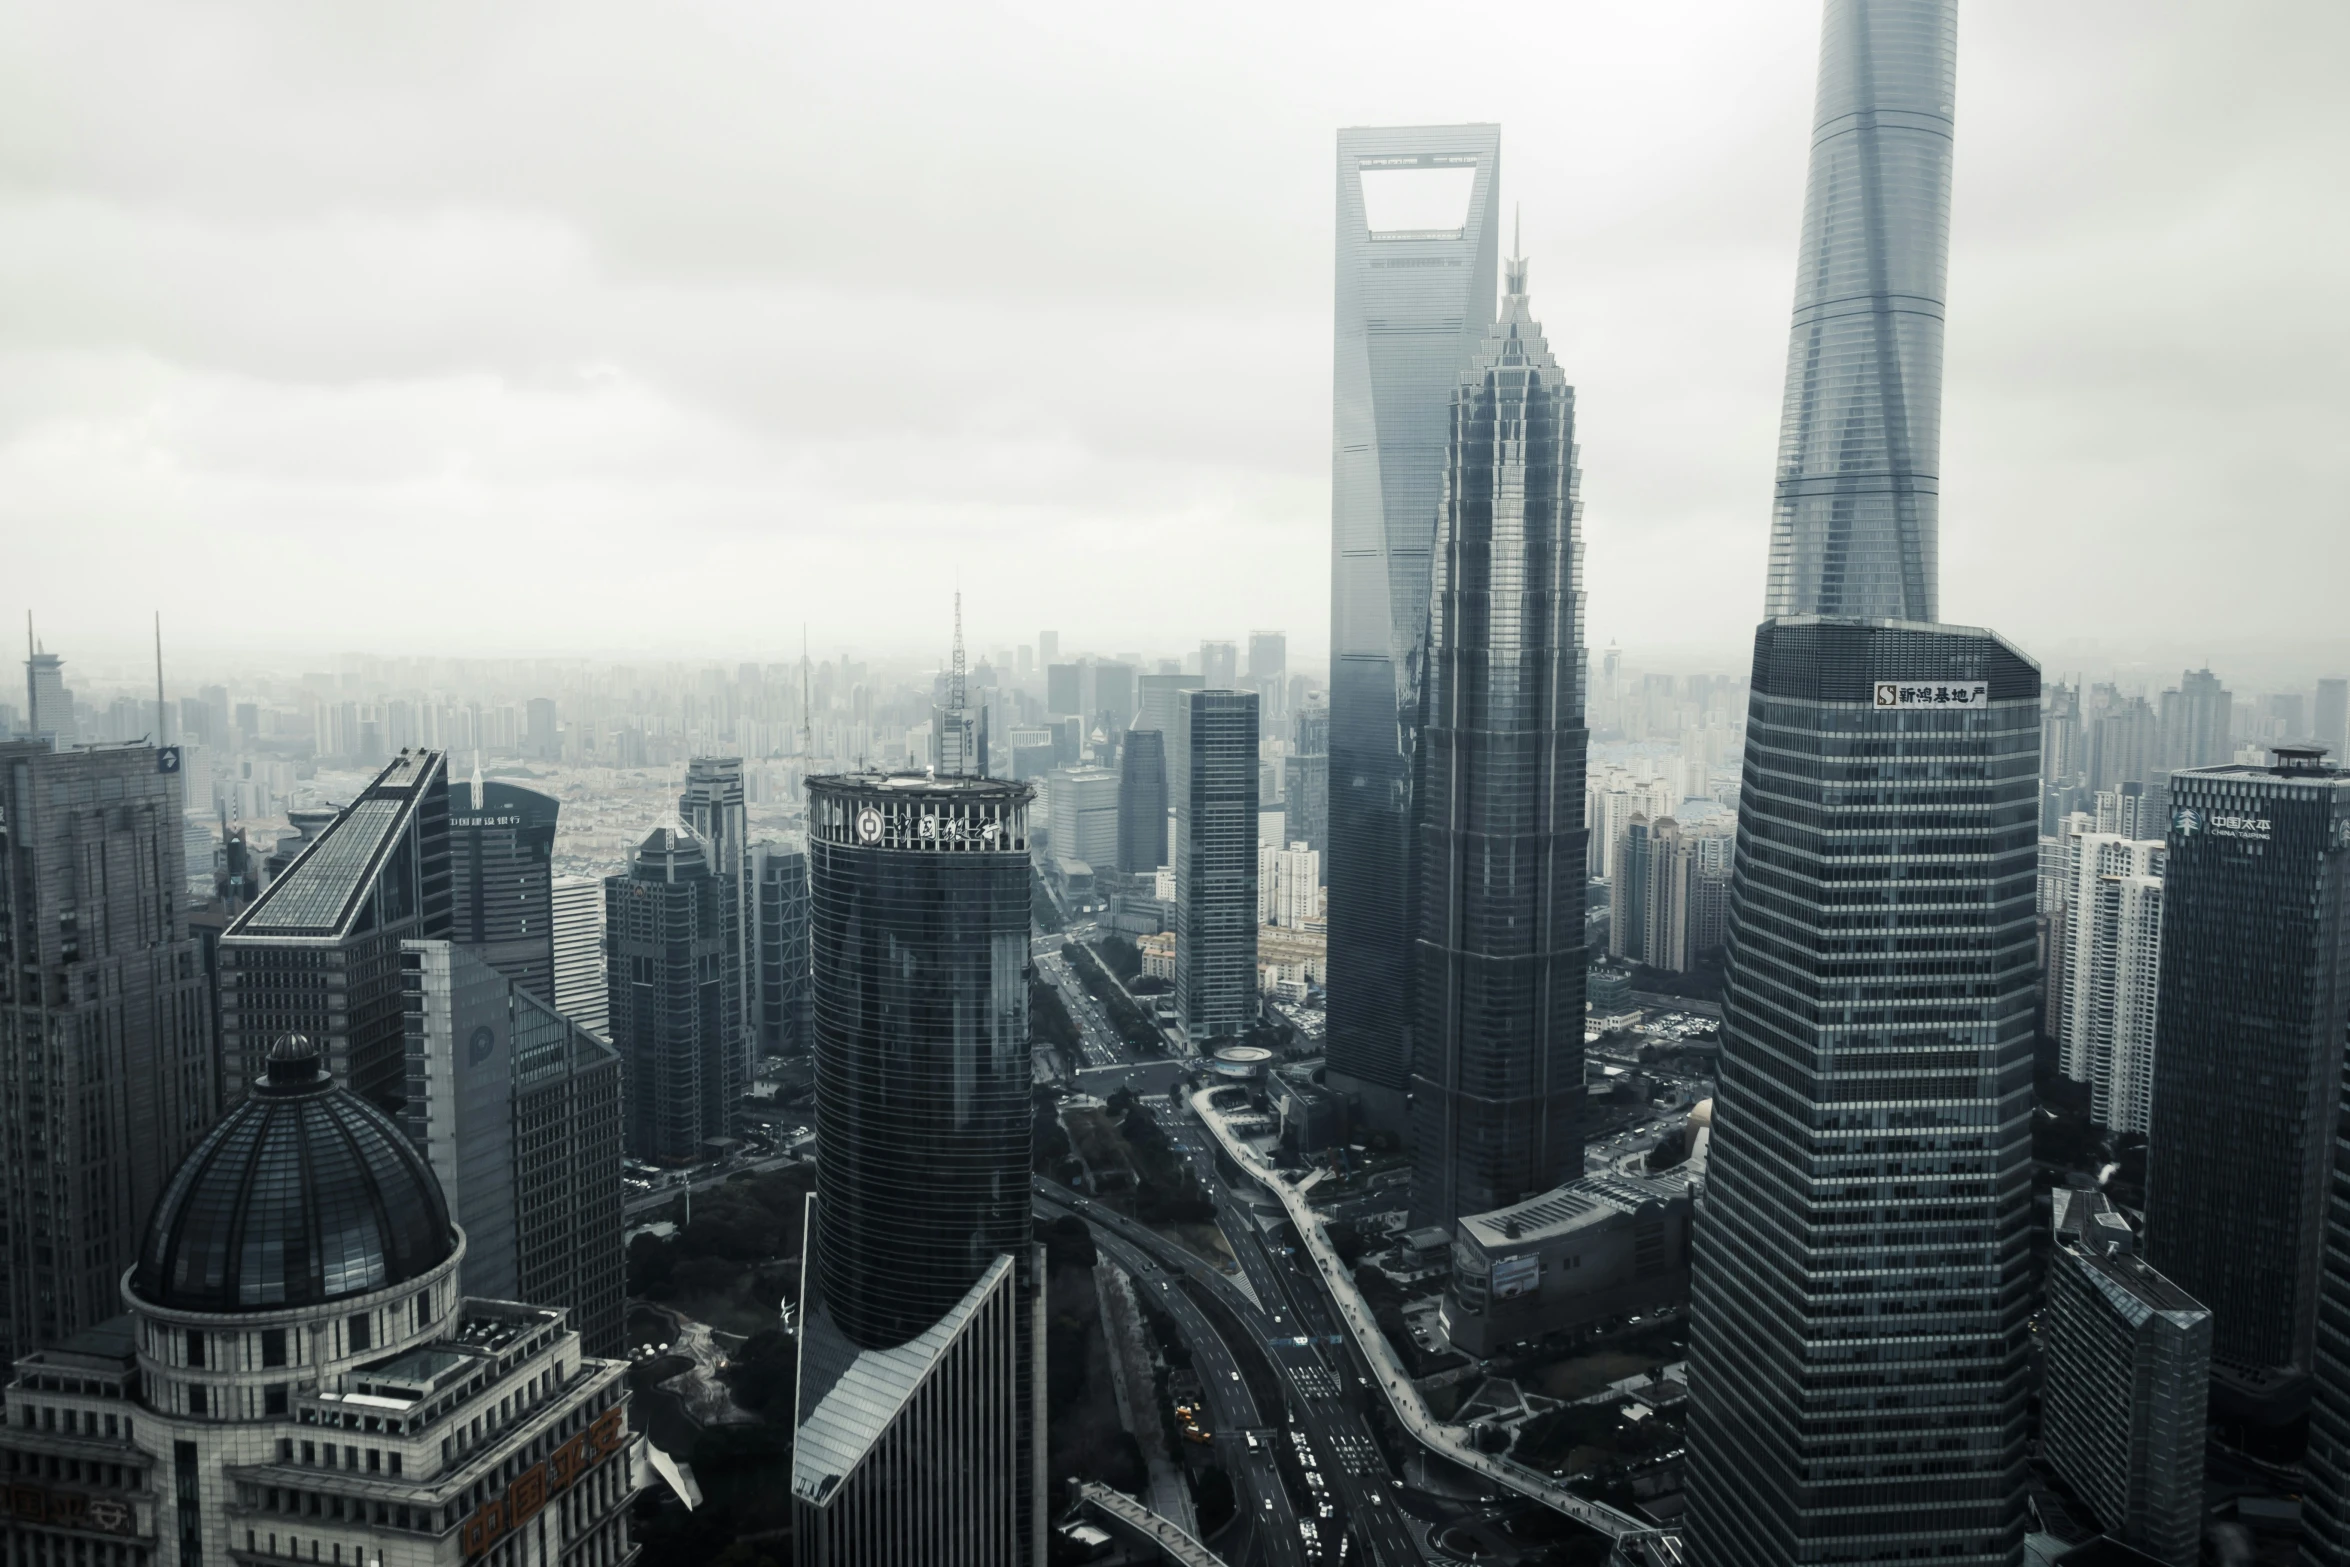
1305	782
105	1026
671	1000
919	1417
777	875
1142	802
517	1110
2111	974
1216	864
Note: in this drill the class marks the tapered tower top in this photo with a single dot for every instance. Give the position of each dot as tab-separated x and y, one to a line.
1855	524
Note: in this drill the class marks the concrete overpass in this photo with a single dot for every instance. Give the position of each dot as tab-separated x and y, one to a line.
1128	1520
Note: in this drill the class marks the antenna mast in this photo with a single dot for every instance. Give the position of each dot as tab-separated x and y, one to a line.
162	728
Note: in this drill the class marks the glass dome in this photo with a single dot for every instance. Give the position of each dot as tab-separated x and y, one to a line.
303	1194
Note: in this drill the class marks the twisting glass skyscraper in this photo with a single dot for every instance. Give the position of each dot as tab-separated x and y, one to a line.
1497	1047
1418	242
1854	528
1861	1287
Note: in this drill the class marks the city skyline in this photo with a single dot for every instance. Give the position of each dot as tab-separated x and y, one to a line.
573	332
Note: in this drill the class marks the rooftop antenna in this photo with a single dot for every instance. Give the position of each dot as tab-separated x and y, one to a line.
955	689
807	710
32	687
162	729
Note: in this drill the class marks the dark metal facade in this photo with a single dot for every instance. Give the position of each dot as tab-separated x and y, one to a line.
2248	1041
918	930
1862	1288
1497	1072
1216	864
502	880
1412	307
670	997
1142	802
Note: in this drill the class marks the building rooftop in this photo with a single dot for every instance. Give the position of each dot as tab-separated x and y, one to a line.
1570	1207
330	882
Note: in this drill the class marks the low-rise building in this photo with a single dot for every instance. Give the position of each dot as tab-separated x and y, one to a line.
1599	1247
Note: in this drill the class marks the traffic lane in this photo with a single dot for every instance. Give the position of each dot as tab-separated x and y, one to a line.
1259	1488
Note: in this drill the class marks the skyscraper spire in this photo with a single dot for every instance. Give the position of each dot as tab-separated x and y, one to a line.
955	688
1854	525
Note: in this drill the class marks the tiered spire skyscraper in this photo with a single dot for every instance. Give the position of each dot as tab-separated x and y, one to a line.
1497	1069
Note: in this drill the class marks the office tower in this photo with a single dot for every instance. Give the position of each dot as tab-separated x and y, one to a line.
1268	675
2127	1357
1216	864
2111	974
1305	783
2198	722
921	1376
1063	691
1219	665
1113	697
1082	805
2330	721
541	739
778	877
517	1110
2325	1505
317	954
1854	524
501	878
1414	298
299	1371
1142	802
1871	1133
579	952
2248	1052
1497	1058
1048	647
105	1025
1033	753
712	809
48	704
670	997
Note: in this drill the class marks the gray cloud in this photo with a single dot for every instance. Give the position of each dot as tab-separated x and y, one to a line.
589	326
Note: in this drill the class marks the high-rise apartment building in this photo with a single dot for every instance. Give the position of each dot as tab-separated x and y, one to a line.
2330	718
1142	802
1289	886
1216	864
670	997
1497	1050
778	905
1305	782
2255	987
105	1026
2127	1363
502	881
1871	1143
2198	722
920	1413
517	1110
2111	974
1612	800
578	906
318	952
1419	244
1648	896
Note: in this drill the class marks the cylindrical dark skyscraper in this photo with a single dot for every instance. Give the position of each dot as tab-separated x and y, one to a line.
1497	1068
918	1395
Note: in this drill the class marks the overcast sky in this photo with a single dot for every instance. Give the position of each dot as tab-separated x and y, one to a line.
585	327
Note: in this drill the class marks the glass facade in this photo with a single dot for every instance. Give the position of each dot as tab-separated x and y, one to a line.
302	1194
918	931
1862	1282
778	874
1216	864
502	880
671	999
2248	1037
1497	1071
1413	304
1854	525
1142	802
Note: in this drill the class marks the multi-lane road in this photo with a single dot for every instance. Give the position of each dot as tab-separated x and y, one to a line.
1342	1483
